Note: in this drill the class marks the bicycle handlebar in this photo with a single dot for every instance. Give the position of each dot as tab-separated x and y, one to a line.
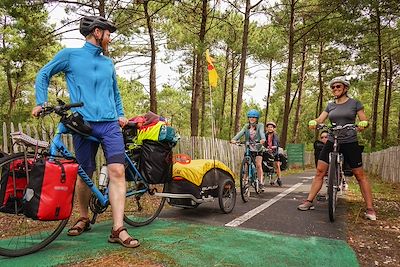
336	128
59	109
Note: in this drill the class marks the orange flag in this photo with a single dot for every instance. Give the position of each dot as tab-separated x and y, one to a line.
212	72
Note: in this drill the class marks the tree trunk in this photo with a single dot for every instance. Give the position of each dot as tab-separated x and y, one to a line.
153	86
245	36
300	91
320	99
378	80
231	130
221	115
194	115
12	93
320	83
388	100
398	128
268	91
384	118
286	113
102	8
194	69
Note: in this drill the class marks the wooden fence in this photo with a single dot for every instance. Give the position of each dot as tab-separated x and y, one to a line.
385	163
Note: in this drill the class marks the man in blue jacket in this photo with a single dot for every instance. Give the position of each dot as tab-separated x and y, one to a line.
91	79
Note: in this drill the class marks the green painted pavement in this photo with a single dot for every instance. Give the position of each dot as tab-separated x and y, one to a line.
184	244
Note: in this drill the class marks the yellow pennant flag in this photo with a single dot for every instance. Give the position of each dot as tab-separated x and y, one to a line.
212	72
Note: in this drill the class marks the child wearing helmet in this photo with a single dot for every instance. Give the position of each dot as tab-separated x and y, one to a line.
343	110
272	145
254	131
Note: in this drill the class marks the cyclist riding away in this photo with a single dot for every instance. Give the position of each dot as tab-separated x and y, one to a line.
91	79
272	144
254	132
343	110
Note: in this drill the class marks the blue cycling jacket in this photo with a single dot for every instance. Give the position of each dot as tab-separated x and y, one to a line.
91	79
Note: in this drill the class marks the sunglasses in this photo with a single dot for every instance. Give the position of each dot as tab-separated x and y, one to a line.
338	86
252	117
324	137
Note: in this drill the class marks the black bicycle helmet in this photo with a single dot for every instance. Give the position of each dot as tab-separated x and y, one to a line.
89	23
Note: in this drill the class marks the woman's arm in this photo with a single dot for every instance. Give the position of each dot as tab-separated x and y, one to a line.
362	117
239	134
262	134
322	117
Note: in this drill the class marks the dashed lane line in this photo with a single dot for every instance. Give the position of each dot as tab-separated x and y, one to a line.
245	217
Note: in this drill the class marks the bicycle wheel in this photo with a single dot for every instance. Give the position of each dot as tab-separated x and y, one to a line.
142	208
332	187
227	195
244	181
256	183
20	235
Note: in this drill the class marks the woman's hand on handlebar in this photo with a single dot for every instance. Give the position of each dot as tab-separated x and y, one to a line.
36	111
312	124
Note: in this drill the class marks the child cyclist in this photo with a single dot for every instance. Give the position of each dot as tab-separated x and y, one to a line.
272	145
254	132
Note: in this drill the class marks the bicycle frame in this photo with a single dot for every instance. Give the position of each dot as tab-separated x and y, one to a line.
57	145
335	171
338	157
252	169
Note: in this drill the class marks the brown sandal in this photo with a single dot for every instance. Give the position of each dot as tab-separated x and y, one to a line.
77	230
114	238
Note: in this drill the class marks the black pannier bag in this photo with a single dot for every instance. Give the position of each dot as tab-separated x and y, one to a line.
268	162
13	182
283	160
50	191
155	162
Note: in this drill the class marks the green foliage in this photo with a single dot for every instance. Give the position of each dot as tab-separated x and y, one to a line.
134	98
174	105
26	45
340	36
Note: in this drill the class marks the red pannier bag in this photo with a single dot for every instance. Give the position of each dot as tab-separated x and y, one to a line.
12	185
50	192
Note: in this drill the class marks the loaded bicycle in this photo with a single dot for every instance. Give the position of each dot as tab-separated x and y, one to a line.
335	170
248	172
21	235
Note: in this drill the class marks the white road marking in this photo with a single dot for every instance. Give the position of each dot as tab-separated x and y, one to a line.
238	221
307	177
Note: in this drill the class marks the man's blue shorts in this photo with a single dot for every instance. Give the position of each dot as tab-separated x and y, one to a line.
112	142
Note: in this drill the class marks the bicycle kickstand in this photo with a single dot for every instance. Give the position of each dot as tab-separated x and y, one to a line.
93	220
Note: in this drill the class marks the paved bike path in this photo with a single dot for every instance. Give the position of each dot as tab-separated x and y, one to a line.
190	244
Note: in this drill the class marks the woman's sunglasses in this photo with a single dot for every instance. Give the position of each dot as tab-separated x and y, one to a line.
324	137
338	86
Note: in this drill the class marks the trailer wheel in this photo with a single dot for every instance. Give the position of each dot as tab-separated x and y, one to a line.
227	195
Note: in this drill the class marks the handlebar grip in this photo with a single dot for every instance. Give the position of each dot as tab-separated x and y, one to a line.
74	105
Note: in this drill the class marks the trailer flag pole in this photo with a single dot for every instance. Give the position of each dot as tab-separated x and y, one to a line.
212	82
